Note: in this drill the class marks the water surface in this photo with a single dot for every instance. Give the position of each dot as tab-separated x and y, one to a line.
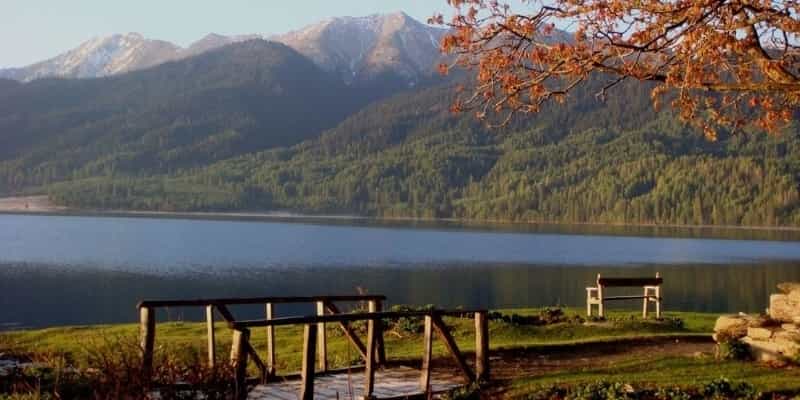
58	270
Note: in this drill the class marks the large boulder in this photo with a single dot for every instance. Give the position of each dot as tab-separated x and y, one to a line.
735	326
775	349
784	307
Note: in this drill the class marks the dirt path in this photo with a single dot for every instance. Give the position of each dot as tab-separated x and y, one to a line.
512	364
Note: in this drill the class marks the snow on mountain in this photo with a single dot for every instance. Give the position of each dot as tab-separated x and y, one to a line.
100	57
356	48
361	47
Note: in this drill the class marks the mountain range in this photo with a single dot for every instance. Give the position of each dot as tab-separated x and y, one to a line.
346	116
355	48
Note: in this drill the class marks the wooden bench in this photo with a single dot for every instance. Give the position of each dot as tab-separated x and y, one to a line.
652	293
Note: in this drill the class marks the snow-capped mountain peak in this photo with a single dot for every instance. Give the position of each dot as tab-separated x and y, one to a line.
355	48
360	47
100	56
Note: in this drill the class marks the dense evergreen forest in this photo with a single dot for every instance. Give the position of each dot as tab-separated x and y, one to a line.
208	135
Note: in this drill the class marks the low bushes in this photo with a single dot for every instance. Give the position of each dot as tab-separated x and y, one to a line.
719	389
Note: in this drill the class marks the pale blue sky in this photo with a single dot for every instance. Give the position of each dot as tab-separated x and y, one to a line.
33	30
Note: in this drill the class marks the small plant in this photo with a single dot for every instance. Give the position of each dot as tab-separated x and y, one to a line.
719	389
723	388
732	349
603	391
546	316
471	392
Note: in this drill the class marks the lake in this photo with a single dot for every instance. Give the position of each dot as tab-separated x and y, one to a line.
59	270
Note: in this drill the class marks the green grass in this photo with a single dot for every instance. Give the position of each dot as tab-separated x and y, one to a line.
188	339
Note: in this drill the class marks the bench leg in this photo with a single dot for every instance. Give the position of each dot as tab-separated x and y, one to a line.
588	307
658	302
645	300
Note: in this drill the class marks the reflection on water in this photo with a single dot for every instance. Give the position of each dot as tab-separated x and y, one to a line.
77	270
46	295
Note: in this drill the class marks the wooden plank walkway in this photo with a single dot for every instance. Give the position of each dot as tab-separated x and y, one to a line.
395	382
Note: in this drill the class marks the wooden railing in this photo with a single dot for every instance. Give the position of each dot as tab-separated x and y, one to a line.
433	322
324	305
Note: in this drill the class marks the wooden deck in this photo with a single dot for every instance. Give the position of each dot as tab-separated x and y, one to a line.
395	382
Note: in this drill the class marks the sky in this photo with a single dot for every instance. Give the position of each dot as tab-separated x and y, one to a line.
34	30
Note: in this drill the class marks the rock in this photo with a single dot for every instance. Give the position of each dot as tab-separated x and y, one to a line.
783	308
790	336
789	287
791	328
772	350
730	327
735	326
759	333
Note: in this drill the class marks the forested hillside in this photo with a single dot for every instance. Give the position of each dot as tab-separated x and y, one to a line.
239	99
408	156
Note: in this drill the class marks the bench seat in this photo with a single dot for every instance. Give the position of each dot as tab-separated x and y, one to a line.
651	293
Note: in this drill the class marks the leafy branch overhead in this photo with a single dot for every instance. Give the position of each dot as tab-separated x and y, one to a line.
720	63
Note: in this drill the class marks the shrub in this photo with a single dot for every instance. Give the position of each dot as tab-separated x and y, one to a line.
546	316
732	349
720	389
407	325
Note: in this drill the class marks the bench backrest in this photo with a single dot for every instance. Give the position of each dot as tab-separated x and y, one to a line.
629	282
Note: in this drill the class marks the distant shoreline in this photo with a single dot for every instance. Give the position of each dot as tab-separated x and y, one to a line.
41	205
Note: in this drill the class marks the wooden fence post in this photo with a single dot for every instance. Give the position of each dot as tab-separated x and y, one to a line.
369	373
427	353
270	311
239	352
377	306
307	372
481	347
322	341
212	349
147	334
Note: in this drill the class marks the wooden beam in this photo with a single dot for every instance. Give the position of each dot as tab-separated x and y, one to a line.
481	347
427	353
239	352
256	300
307	372
270	314
211	348
226	314
349	333
322	340
313	319
369	373
262	368
147	335
444	333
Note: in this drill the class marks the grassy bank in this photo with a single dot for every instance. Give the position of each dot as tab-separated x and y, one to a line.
403	341
514	335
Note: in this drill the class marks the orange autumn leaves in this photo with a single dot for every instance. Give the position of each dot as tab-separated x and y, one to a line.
719	63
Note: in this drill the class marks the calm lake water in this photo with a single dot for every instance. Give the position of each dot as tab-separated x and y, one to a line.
57	270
